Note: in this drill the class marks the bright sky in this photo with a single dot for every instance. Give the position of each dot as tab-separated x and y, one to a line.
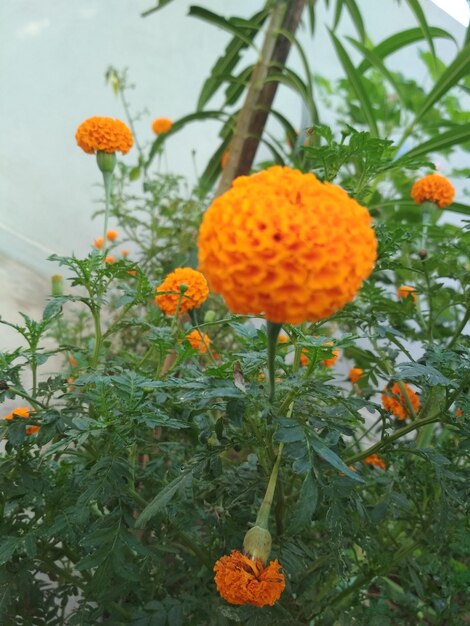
458	9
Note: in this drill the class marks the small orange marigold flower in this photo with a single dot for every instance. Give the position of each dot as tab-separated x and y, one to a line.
459	412
125	252
433	188
199	341
355	374
110	259
393	400
283	244
375	459
98	243
405	291
112	235
23	411
161	125
196	291
240	580
104	134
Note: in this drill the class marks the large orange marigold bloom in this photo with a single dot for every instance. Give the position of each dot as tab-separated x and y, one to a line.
394	400
162	125
433	188
199	341
240	580
104	134
284	244
22	411
196	291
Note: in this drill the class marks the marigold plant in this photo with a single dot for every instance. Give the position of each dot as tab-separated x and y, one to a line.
394	400
433	188
104	134
283	244
188	290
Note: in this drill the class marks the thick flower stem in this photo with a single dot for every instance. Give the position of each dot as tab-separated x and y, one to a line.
273	333
262	520
98	336
107	180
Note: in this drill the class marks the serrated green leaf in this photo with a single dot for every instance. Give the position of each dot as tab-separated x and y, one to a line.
162	499
304	508
332	458
8	547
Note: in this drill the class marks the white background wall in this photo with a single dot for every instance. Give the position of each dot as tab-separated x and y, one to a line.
54	54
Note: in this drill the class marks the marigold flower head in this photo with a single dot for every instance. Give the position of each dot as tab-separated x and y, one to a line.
199	341
23	411
458	412
375	459
284	244
355	374
98	243
104	134
405	291
125	252
195	293
394	400
161	125
241	580
110	259
433	188
112	235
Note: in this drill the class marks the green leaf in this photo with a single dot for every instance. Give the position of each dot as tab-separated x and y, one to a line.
356	18
332	458
160	5
8	547
356	84
289	431
305	506
400	40
419	14
458	135
228	25
163	498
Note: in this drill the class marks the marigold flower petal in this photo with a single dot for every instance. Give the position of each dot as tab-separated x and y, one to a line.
405	291
98	243
112	235
375	459
240	580
196	293
394	400
283	244
433	188
104	134
355	374
23	411
198	340
110	259
162	125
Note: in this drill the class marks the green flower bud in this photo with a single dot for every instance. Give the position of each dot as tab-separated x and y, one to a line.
106	161
209	316
57	285
257	544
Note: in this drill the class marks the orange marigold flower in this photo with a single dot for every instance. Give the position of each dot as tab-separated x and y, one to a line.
355	374
405	291
375	459
73	361
240	580
283	339
195	293
394	400
459	412
98	243
433	188
161	125
199	341
112	235
104	134
132	272
282	243
110	259
125	252
23	411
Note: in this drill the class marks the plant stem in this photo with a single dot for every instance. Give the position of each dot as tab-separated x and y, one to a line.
460	327
262	518
107	180
26	396
95	310
273	333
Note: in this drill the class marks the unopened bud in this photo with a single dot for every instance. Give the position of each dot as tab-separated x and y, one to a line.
106	161
57	285
422	254
209	316
183	288
257	544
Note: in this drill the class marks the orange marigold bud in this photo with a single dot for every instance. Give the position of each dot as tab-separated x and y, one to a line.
241	580
110	259
195	293
125	252
199	341
98	243
433	188
394	400
112	235
375	459
405	291
282	243
355	374
104	134
161	125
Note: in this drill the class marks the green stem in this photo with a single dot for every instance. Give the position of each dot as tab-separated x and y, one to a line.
26	396
460	328
273	330
262	518
98	336
107	180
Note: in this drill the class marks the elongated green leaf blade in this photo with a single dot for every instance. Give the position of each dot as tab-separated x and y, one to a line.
419	14
228	25
305	506
356	18
332	458
356	84
162	499
448	139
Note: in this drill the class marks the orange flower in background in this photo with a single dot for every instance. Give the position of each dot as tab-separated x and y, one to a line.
394	400
355	374
199	341
112	235
326	362
283	244
161	125
433	188
73	361
104	134
110	259
125	252
459	412
405	291
375	459
196	291
283	339
240	580
22	411
98	243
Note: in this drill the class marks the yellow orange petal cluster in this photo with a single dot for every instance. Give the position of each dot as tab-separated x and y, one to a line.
240	580
433	188
112	235
355	374
196	291
22	411
98	243
394	400
198	340
104	134
376	460
405	291
283	244
162	125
